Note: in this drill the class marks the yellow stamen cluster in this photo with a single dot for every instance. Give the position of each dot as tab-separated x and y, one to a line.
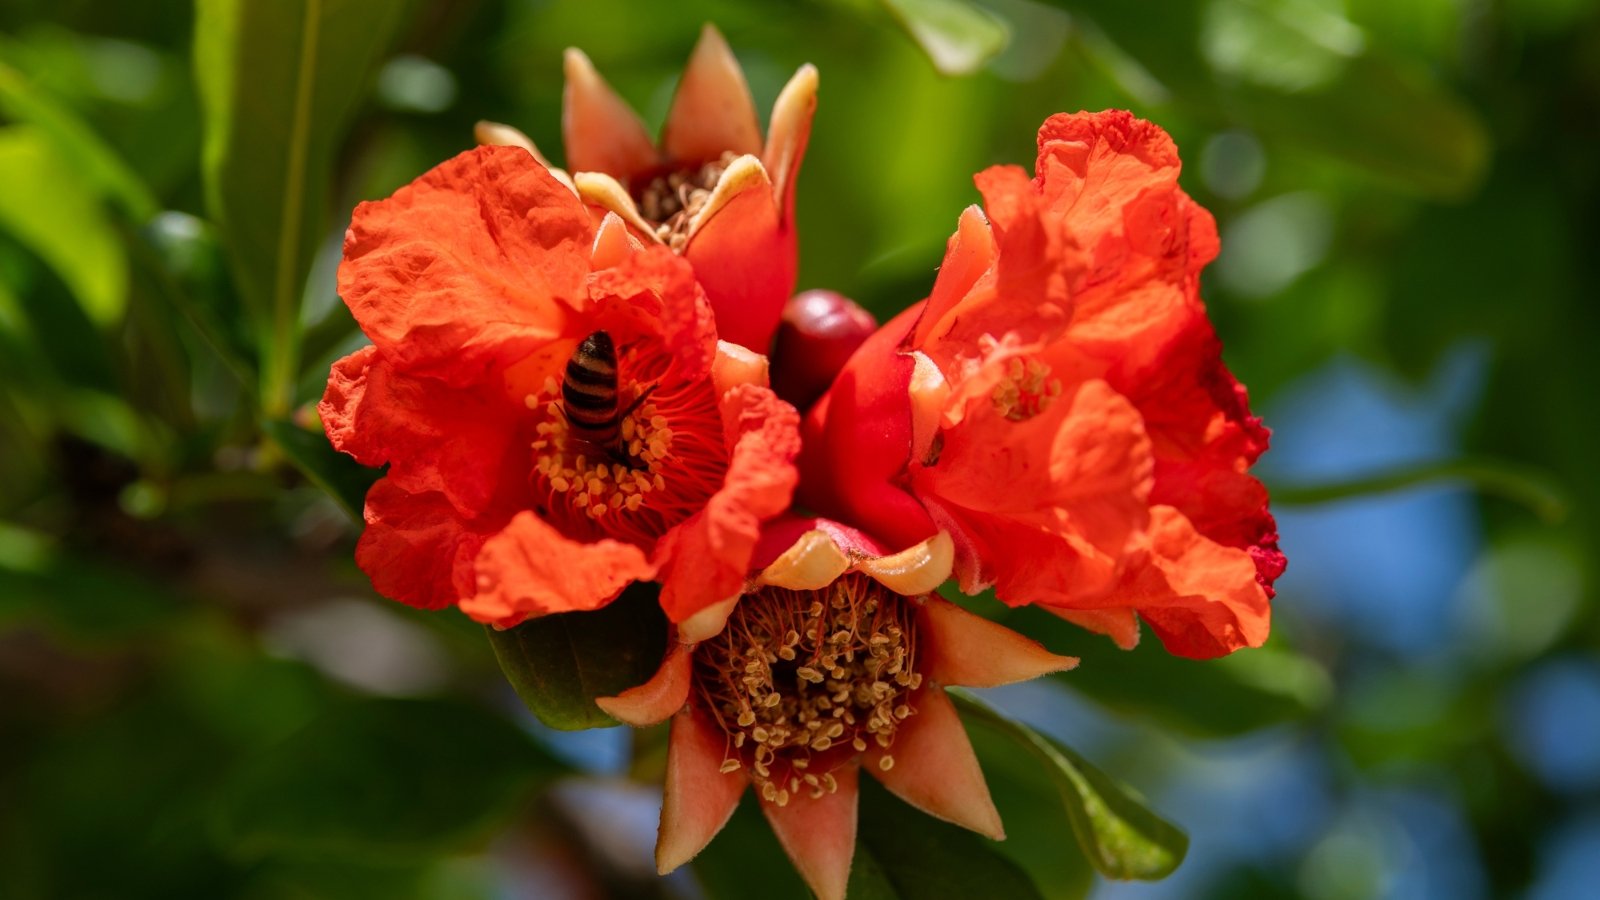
601	480
1026	390
672	200
796	674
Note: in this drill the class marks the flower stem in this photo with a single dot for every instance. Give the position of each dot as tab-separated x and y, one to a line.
1529	488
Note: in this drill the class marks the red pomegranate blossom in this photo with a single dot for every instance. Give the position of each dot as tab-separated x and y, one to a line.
714	191
834	661
1059	405
477	284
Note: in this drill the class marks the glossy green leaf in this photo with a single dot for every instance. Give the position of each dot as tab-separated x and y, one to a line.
382	778
1119	834
1210	698
344	479
1036	827
958	36
279	81
558	664
905	854
50	209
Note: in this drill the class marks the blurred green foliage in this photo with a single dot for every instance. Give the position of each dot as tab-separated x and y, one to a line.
201	689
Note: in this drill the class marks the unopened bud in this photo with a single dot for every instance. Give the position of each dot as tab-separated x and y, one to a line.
820	330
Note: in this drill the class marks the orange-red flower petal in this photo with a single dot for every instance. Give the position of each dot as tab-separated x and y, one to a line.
709	556
417	548
1059	388
476	283
530	569
473	262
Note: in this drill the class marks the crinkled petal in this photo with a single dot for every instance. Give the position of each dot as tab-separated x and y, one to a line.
652	295
1199	597
417	548
1046	507
530	569
699	797
820	834
963	649
1204	438
707	558
502	135
1038	258
462	442
475	262
1114	176
934	768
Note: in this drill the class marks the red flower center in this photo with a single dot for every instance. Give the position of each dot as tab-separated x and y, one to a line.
666	460
802	681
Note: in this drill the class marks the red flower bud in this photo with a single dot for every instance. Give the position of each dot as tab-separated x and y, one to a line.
820	330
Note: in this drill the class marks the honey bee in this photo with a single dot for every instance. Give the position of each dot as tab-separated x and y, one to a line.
589	395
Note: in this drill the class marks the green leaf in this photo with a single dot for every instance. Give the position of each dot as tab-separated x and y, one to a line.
48	207
78	596
1121	837
905	854
1036	828
344	479
1294	70
958	37
183	258
279	81
1210	698
560	663
382	778
92	161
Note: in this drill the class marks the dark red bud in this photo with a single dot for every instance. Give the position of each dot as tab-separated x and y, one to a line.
820	330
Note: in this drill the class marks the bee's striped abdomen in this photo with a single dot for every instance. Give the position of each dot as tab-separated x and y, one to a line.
589	390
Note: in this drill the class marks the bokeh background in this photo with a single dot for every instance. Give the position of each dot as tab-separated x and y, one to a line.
1409	198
